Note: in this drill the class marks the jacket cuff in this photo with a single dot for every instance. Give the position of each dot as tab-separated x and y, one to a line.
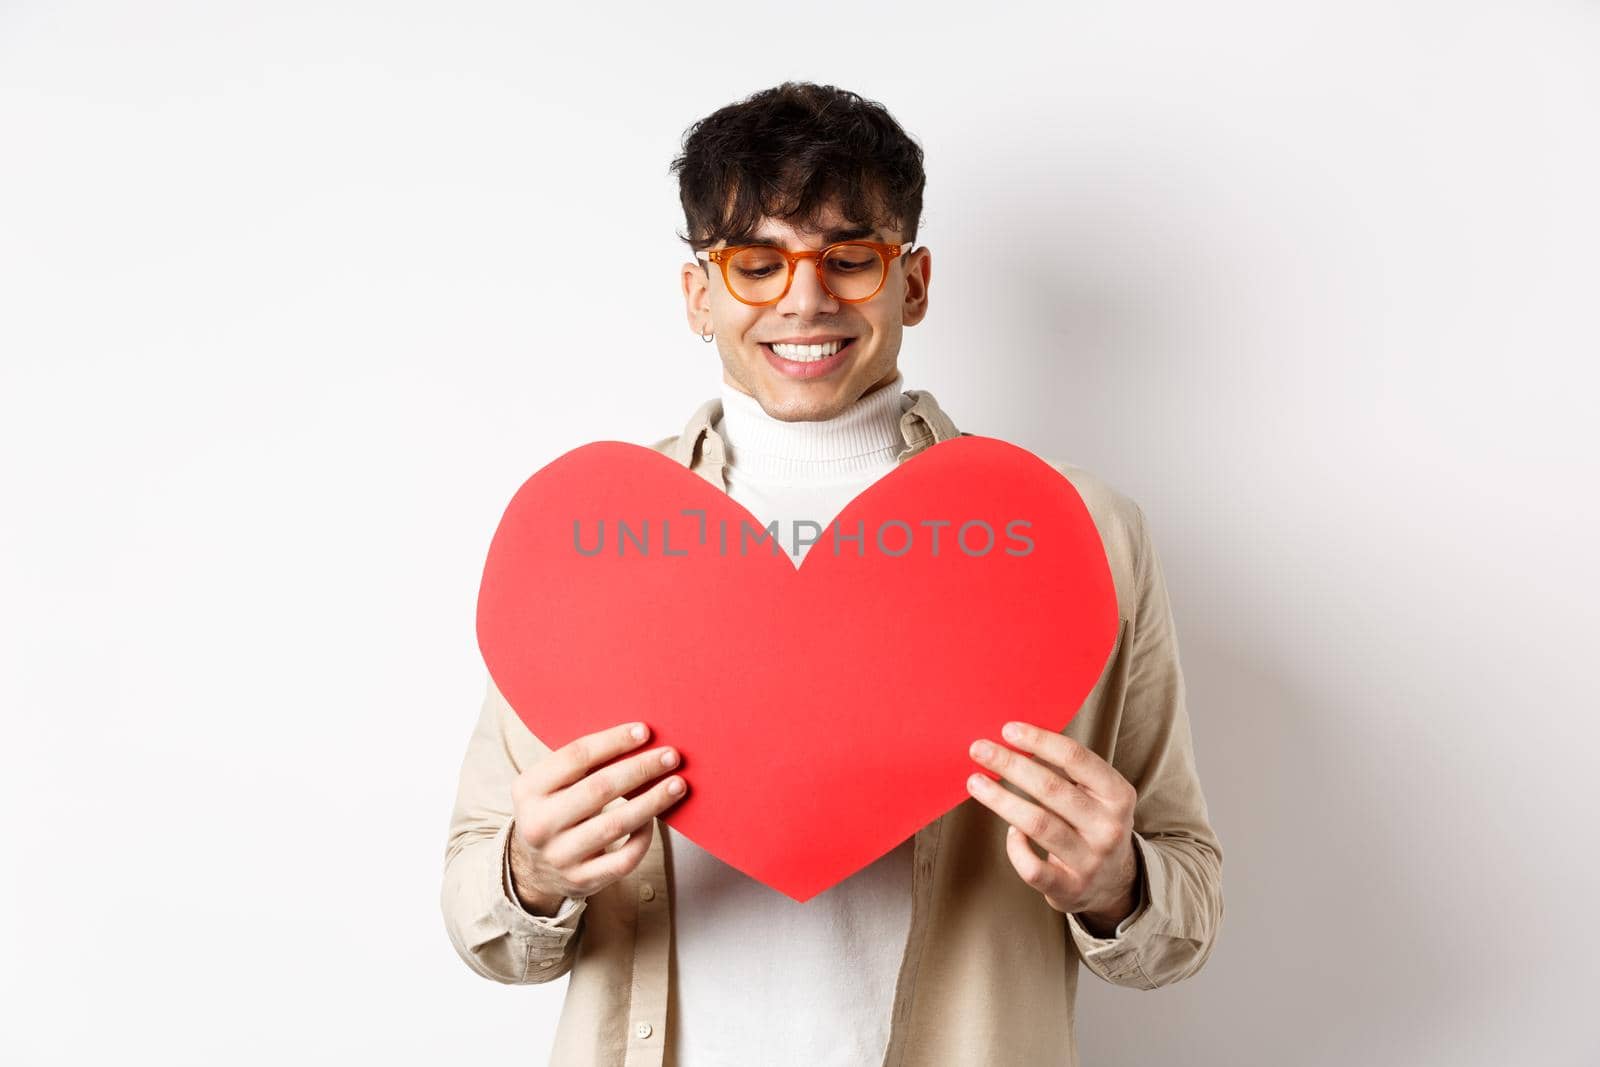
1116	958
547	935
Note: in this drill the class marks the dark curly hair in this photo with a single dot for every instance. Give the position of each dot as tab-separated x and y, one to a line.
786	152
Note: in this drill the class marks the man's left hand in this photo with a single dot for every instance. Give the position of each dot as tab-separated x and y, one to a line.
1081	814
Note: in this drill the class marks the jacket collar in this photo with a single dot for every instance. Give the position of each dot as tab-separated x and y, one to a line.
702	450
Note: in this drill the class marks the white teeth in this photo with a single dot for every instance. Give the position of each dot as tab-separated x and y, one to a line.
808	353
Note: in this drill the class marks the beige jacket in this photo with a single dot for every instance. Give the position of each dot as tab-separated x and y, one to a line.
989	971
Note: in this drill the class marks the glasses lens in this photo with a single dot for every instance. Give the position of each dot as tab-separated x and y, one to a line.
758	274
853	272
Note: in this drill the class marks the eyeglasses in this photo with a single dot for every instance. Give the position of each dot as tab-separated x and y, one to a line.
850	271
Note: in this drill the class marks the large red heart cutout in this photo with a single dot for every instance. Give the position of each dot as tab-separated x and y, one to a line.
823	712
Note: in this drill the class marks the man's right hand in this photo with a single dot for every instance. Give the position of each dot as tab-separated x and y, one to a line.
559	835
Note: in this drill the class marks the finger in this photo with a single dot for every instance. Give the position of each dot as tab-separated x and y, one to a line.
1049	878
575	759
1044	784
1044	826
589	795
592	835
594	875
1081	764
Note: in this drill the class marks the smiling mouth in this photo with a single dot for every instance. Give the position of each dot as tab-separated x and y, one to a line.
807	353
808	361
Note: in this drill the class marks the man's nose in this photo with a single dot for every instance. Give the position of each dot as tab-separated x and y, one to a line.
806	296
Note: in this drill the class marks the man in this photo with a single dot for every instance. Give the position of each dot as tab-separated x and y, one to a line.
961	945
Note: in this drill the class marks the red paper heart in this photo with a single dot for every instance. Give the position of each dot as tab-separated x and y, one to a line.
823	713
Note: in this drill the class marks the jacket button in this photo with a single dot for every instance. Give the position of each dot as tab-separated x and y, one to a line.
643	1030
647	891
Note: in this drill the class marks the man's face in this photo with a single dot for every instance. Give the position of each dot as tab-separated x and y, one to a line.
791	389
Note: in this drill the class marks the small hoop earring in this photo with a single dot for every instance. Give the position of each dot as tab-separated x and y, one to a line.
707	336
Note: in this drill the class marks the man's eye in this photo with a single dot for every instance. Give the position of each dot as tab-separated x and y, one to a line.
849	265
755	272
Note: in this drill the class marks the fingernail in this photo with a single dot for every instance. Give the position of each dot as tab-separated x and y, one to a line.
675	786
977	783
669	758
982	750
1012	732
637	732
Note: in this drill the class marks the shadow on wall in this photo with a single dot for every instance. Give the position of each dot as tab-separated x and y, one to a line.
1326	955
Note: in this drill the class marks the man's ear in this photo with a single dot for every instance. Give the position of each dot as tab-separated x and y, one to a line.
696	297
919	269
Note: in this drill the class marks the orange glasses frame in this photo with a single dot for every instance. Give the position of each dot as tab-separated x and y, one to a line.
721	256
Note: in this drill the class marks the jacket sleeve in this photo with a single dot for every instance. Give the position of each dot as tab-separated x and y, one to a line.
1171	933
489	928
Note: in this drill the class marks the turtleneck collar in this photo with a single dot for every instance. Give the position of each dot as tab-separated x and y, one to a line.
864	436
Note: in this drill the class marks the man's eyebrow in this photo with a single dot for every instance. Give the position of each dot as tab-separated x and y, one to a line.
853	233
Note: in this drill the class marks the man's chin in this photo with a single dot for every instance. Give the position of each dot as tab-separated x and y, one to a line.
801	405
799	411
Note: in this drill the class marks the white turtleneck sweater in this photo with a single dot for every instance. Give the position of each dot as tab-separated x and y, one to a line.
757	977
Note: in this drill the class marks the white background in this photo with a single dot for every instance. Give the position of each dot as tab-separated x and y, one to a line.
294	295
